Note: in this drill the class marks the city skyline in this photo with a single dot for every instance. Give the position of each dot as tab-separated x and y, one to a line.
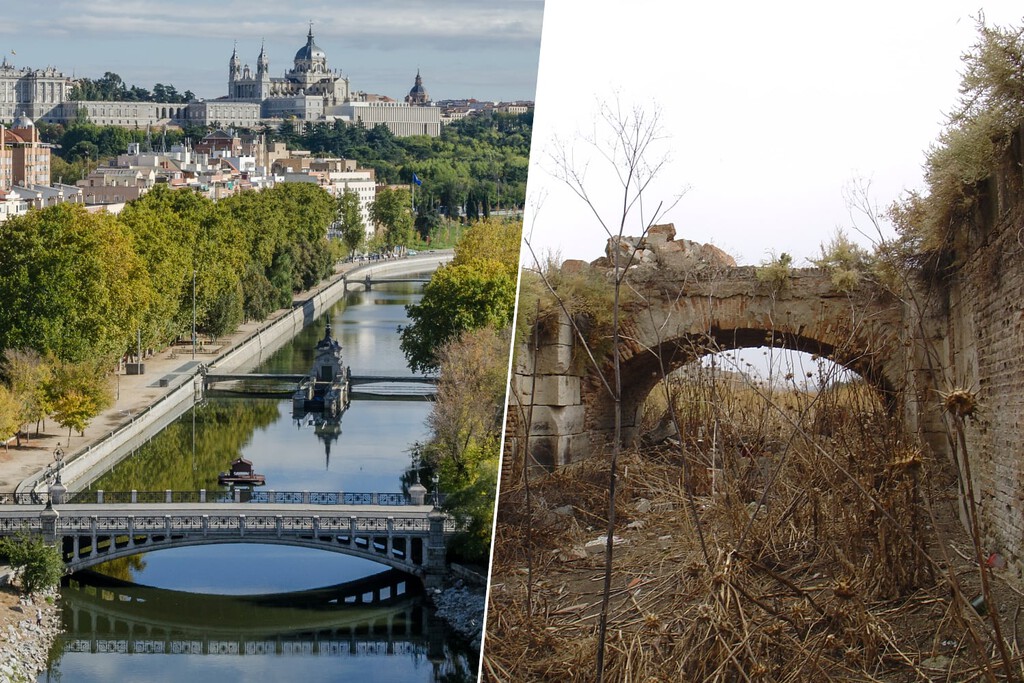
463	48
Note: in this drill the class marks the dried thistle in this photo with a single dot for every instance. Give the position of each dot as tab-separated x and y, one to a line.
960	402
909	459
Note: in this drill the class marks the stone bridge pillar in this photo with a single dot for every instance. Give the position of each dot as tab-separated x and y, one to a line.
435	562
548	381
49	522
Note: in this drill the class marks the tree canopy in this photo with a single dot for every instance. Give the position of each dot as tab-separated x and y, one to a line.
71	282
111	88
82	286
350	221
477	289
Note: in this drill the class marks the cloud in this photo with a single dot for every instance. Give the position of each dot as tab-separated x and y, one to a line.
453	22
467	48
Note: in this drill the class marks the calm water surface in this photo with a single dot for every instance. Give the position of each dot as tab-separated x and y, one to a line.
215	613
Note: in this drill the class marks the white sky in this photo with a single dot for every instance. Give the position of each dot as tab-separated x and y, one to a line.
485	49
772	110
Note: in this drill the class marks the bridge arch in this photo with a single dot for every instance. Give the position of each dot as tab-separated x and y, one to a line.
643	368
680	306
78	556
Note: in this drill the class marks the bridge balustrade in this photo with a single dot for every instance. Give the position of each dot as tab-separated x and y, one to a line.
101	497
76	523
223	522
11	525
150	523
326	648
185	522
323	498
112	523
371	524
407	524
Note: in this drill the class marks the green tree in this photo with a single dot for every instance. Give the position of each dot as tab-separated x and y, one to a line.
391	213
491	240
457	298
39	565
465	423
475	290
427	220
350	220
164	226
71	283
10	415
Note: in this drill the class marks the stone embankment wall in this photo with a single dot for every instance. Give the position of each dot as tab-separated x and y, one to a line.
25	640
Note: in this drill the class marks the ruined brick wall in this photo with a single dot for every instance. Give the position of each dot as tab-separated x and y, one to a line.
985	354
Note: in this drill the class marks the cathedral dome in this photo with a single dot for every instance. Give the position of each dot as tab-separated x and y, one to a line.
418	94
310	52
22	121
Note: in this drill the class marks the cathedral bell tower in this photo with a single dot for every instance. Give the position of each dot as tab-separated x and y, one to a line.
263	73
234	71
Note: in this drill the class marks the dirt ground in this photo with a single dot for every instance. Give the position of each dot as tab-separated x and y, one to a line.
787	605
10	607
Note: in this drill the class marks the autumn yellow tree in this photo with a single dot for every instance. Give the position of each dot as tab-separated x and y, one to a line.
77	393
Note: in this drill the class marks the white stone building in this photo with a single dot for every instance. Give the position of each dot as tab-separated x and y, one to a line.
34	93
401	118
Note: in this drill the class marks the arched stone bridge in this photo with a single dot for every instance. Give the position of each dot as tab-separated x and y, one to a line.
410	538
684	301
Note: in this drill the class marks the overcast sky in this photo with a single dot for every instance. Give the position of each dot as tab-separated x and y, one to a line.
772	110
464	48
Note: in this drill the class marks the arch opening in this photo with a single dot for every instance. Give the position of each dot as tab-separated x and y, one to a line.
235	567
642	371
743	417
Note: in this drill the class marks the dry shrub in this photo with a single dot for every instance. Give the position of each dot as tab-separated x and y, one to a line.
824	561
581	291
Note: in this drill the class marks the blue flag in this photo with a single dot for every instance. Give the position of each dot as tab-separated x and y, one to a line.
416	179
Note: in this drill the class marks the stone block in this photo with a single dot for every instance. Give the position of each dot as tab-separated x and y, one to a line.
551	421
570	266
564	334
574	447
553	359
552	452
549	390
666	232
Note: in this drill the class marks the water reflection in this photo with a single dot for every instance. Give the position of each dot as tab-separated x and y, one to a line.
110	622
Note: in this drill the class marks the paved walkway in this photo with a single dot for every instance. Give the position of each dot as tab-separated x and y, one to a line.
134	393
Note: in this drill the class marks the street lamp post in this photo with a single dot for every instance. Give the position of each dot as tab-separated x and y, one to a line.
58	458
193	314
57	489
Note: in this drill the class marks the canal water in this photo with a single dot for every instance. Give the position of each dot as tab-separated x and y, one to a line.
244	612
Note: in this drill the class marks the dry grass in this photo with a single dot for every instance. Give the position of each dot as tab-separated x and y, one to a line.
835	555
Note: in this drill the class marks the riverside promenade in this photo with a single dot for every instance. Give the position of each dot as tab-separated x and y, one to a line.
134	393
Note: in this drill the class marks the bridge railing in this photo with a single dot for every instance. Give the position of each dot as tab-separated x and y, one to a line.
100	497
230	523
